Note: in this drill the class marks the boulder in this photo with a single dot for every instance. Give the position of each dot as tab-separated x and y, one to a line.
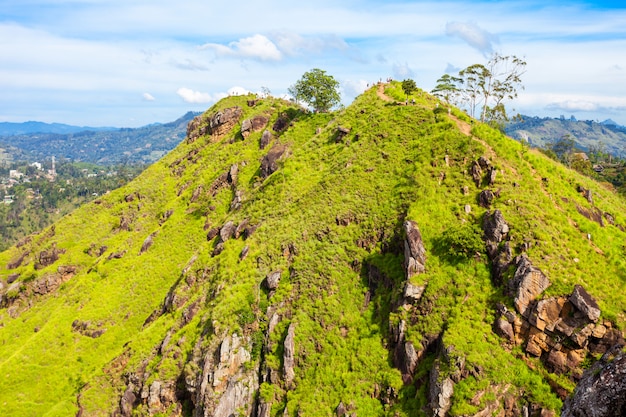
147	243
495	227
477	173
547	313
602	390
269	163
504	329
492	175
266	137
584	302
414	251
227	231
254	124
272	280
485	198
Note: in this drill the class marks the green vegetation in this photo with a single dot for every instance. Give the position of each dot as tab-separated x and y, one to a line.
317	89
486	87
329	215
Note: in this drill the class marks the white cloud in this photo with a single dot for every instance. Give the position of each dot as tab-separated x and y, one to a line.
148	97
574	106
471	33
256	47
194	97
354	88
237	91
402	71
292	43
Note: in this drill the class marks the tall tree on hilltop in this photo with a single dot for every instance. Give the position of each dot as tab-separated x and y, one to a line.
408	86
485	86
447	88
317	89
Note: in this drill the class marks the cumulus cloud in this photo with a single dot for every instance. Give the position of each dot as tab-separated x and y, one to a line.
148	97
291	43
402	71
574	106
354	88
255	47
473	35
237	91
193	97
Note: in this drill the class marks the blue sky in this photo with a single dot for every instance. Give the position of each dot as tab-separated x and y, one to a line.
135	62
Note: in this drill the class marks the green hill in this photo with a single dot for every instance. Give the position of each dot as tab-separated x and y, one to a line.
380	260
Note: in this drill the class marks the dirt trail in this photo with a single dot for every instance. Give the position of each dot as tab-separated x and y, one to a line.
380	92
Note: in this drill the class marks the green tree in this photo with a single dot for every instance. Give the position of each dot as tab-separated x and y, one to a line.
447	88
408	86
563	148
487	86
317	89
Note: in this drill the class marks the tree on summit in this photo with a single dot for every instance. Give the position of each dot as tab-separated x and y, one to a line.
485	87
408	86
317	89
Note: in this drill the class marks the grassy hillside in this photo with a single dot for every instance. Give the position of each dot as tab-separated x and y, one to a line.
147	310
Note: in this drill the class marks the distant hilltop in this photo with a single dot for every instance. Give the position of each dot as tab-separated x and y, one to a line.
24	128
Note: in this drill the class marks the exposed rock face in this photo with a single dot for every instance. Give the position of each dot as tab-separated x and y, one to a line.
272	280
253	125
266	137
216	125
269	163
223	121
485	198
414	251
477	173
495	227
48	257
147	243
441	390
224	386
527	283
289	355
585	303
602	389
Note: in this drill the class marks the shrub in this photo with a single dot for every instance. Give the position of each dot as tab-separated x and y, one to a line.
463	241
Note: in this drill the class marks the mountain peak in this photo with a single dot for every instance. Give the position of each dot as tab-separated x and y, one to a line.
380	260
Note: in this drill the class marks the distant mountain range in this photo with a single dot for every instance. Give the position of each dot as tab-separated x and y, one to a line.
25	128
32	141
542	131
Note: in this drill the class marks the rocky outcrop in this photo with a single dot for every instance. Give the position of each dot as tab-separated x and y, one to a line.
585	303
48	257
254	124
216	125
414	251
269	163
289	356
272	280
223	386
266	138
527	283
602	390
440	393
147	243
